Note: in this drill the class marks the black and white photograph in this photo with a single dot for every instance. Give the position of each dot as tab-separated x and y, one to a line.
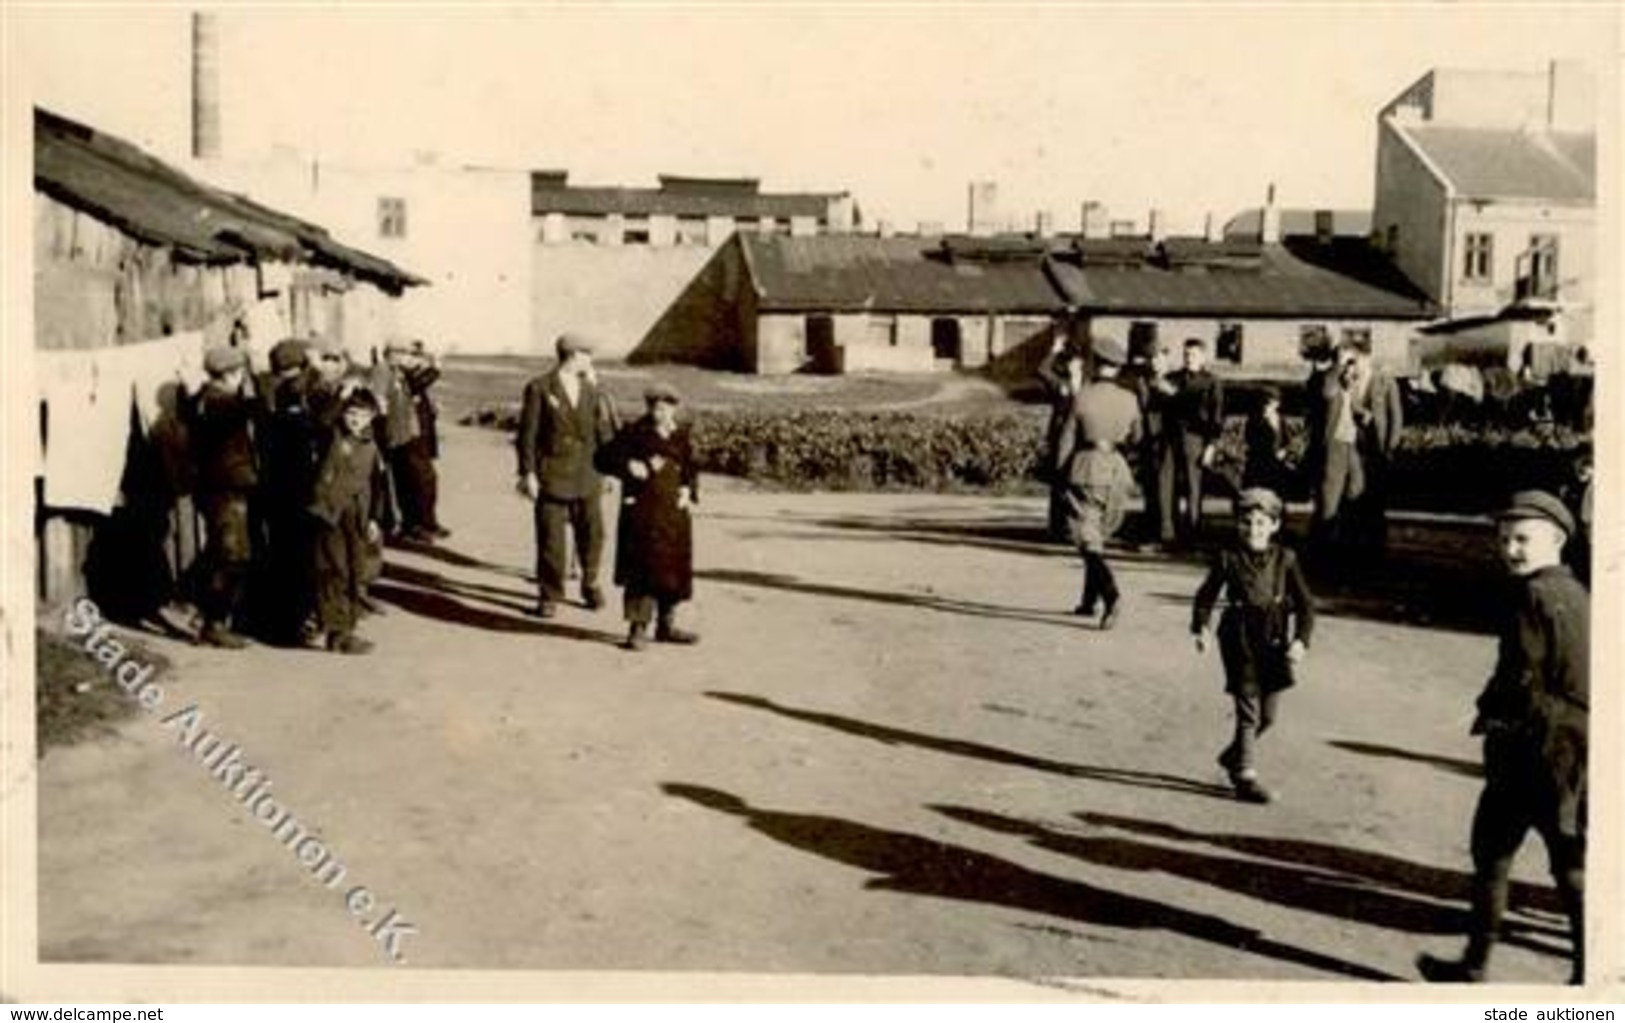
772	502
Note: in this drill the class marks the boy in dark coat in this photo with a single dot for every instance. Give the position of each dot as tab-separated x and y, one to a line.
222	434
1263	632
1533	716
1266	464
345	504
290	448
654	539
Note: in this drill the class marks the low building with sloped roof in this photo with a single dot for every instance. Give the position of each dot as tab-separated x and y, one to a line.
1259	306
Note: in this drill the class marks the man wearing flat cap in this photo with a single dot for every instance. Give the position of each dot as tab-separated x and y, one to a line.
1105	420
222	433
1533	715
565	420
654	538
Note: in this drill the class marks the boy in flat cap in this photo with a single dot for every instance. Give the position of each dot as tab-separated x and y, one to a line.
1104	421
1533	716
566	419
1263	631
345	503
222	433
654	538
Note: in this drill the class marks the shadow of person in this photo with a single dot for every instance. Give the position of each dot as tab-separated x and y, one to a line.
1328	893
1379	868
428	603
927	602
979	751
915	865
1465	768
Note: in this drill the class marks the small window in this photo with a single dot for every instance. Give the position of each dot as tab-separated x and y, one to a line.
883	331
1478	257
1228	348
691	231
635	231
391	218
1314	341
1359	337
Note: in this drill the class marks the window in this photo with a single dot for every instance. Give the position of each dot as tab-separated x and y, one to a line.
1142	337
691	231
1359	337
1478	258
1543	265
883	331
1228	348
635	231
1121	229
587	230
391	218
946	343
1314	341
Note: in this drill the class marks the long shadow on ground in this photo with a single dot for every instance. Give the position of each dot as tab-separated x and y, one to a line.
927	602
1377	868
979	751
431	595
1335	893
923	866
1448	764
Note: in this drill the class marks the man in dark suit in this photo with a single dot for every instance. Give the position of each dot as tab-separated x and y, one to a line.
1193	419
566	419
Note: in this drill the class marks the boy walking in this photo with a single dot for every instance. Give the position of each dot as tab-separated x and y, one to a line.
1533	716
345	504
227	478
1263	631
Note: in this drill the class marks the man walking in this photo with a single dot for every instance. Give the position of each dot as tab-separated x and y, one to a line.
566	419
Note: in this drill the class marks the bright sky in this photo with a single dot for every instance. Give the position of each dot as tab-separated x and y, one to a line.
1187	109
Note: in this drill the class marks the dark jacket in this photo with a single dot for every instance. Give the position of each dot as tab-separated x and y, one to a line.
418	381
1196	406
222	437
347	482
1267	607
1536	705
1264	465
557	441
654	538
291	443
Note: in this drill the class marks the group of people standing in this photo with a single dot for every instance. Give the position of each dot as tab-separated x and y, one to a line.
300	473
570	438
1533	711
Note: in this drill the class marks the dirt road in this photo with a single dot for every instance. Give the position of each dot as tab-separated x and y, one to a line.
893	753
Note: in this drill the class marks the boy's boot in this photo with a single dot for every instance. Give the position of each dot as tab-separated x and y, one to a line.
666	632
217	634
1469	969
1248	789
637	636
347	643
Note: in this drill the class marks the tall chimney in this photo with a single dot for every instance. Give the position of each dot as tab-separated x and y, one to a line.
205	86
983	213
1269	220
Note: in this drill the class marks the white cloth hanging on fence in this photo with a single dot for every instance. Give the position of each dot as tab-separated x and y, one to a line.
88	398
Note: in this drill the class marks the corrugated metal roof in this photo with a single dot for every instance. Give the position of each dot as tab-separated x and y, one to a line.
835	273
682	199
153	202
1489	163
1343	279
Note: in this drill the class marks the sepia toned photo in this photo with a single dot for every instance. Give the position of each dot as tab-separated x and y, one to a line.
1092	500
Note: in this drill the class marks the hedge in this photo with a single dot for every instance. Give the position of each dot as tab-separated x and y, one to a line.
1439	468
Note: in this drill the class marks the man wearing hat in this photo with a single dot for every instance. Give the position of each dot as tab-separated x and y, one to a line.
1356	418
654	537
565	420
222	435
290	446
1105	419
1263	631
1533	716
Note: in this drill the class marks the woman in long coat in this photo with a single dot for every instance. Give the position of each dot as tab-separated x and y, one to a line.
654	539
